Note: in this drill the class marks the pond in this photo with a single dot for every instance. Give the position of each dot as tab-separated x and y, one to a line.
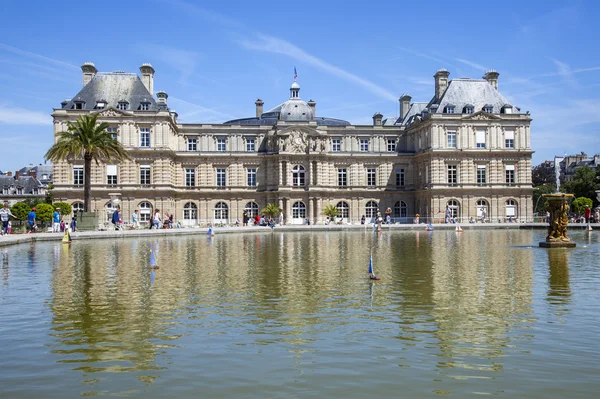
294	315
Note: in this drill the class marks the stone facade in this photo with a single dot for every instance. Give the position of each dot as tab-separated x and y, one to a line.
419	163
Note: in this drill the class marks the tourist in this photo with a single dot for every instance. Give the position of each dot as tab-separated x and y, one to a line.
156	220
62	225
135	219
9	228
56	221
588	214
417	218
4	217
116	219
74	224
281	220
171	221
362	219
327	221
448	214
31	221
245	218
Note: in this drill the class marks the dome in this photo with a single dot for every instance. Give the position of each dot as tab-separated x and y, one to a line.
295	85
295	110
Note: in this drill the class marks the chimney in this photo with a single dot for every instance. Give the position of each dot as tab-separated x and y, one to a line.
377	119
441	82
312	106
33	174
148	77
89	71
17	174
259	107
9	173
162	99
492	77
404	105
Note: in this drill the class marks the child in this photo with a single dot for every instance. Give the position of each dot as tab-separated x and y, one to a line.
8	229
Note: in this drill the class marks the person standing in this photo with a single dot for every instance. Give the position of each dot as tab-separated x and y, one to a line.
281	221
56	221
135	219
31	220
116	219
245	218
4	217
156	220
588	214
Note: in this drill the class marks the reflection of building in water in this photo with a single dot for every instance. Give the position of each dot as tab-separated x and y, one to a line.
559	289
482	290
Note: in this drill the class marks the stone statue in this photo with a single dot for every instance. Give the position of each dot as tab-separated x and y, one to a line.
559	219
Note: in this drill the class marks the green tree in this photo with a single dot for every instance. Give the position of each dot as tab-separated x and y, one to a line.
20	210
584	183
543	174
33	202
86	138
44	212
65	208
580	203
331	211
48	198
271	210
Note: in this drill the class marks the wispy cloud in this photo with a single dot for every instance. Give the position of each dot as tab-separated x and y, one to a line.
213	114
565	71
29	54
278	46
21	116
183	61
472	64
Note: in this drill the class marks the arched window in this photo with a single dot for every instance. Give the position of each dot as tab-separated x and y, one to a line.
482	209
221	211
371	209
298	176
511	208
190	213
252	209
343	209
400	209
454	208
77	207
145	212
299	210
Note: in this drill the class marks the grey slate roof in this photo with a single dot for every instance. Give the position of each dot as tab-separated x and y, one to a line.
464	91
28	183
114	87
414	110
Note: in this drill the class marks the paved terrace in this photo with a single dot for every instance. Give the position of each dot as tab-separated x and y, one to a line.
112	234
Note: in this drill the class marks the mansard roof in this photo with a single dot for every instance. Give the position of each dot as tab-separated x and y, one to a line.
465	91
114	87
414	110
27	182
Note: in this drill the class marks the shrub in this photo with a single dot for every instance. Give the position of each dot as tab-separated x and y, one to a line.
20	210
65	208
44	212
579	204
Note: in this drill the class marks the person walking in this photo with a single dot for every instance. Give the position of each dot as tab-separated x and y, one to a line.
135	219
5	214
56	221
116	219
156	221
31	220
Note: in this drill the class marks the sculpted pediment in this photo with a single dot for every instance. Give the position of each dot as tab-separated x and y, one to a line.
299	140
112	112
481	116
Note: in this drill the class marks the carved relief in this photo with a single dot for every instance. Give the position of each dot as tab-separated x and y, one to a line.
110	112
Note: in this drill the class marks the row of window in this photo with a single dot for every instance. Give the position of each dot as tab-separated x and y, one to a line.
509	139
481	175
17	191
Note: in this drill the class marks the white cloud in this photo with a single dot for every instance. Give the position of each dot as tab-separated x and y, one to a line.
472	64
21	116
29	54
279	46
184	61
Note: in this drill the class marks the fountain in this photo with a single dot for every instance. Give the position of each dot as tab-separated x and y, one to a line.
558	208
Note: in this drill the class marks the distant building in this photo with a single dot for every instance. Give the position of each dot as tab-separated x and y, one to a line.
570	163
41	172
19	188
466	150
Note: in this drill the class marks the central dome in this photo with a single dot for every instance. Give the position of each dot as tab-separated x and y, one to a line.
295	110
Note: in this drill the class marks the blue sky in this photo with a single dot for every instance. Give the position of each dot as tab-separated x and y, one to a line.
354	59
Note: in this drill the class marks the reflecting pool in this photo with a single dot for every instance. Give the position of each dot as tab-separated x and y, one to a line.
293	315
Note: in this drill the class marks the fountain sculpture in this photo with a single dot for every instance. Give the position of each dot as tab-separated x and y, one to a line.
558	208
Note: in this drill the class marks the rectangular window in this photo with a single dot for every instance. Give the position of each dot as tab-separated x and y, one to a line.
509	139
400	177
371	175
391	145
220	177
336	145
192	144
451	139
480	138
113	132
342	177
78	176
364	145
144	137
145	174
251	175
190	177
123	106
221	145
452	174
250	145
481	175
111	174
144	106
510	174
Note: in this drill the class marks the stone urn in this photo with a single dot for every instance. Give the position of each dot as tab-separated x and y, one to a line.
558	207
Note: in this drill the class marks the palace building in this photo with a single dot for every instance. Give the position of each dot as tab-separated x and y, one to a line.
466	149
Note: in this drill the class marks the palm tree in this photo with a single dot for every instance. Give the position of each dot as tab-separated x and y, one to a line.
331	211
86	138
271	210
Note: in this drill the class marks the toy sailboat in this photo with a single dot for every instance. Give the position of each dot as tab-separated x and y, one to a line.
458	228
153	264
429	227
66	238
372	275
589	227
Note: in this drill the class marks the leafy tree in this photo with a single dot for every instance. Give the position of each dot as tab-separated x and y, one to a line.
65	208
271	210
331	211
33	202
585	182
44	212
543	174
579	204
539	202
20	210
86	138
